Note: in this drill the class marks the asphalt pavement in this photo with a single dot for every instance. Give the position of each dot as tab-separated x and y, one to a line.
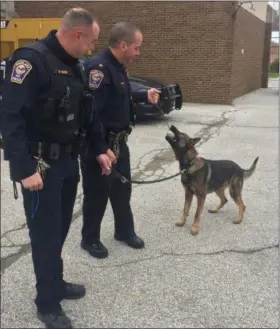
225	277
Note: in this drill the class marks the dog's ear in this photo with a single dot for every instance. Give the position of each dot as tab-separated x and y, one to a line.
194	141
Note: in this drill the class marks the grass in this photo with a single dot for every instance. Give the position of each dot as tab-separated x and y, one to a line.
273	75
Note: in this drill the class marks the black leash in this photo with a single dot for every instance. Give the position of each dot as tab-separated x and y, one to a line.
125	180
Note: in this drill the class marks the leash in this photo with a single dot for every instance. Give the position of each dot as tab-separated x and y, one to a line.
124	180
160	108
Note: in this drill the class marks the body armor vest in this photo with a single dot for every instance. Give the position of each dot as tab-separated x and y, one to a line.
55	116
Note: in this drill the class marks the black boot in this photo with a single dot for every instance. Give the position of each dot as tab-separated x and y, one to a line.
96	249
73	291
133	241
56	319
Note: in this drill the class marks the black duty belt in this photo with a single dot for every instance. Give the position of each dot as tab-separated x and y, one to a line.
52	151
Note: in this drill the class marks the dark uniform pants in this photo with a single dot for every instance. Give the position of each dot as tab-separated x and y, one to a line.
51	209
98	189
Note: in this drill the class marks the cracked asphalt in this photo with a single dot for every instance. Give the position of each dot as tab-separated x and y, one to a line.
225	277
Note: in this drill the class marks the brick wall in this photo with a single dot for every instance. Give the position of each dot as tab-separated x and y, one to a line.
247	67
186	42
266	56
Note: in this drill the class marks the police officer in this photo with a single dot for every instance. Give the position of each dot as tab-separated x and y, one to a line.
44	111
107	78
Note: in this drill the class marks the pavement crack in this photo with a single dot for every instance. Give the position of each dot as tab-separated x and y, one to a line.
10	259
213	129
14	230
150	165
9	246
172	254
237	251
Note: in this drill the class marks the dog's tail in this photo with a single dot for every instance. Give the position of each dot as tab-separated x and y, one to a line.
248	172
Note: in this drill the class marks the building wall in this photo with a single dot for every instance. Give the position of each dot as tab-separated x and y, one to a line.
186	50
257	9
274	52
186	42
248	53
7	9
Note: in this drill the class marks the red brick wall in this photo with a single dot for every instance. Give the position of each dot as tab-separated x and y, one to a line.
186	42
247	68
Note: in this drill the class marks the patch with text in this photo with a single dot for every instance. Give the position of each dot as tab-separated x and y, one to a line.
20	71
95	78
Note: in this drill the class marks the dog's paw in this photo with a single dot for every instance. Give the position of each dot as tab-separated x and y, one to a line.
194	230
237	221
180	223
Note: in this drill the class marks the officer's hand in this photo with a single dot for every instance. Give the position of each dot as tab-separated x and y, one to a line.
105	164
111	156
33	183
153	95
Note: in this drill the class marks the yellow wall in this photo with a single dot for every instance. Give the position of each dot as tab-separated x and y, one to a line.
21	31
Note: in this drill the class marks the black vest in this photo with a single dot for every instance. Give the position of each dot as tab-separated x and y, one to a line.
55	116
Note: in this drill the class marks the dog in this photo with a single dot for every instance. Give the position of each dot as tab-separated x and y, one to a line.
200	176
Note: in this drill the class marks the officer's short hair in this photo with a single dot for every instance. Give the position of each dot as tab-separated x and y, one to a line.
122	31
77	17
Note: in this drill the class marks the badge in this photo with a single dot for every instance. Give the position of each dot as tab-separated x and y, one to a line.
20	71
95	78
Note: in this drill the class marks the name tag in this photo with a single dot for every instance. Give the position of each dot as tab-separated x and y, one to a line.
63	72
70	117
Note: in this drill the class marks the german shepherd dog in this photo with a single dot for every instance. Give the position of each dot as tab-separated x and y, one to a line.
202	176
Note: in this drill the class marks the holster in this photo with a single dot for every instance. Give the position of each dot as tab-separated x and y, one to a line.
114	140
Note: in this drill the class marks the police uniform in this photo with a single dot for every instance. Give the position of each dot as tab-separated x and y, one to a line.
43	115
108	80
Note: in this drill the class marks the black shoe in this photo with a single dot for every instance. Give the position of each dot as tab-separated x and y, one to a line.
133	241
55	319
97	250
73	291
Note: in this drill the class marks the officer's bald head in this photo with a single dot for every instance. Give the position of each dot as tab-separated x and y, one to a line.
125	40
78	31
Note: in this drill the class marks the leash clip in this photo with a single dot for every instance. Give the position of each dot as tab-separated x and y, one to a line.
123	179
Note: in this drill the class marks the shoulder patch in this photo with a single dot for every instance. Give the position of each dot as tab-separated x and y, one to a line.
20	71
95	78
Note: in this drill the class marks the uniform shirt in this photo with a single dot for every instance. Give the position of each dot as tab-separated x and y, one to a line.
34	78
108	80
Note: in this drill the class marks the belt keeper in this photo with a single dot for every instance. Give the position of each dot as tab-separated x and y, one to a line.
54	151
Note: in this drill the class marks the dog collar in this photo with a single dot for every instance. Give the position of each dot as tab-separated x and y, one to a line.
185	170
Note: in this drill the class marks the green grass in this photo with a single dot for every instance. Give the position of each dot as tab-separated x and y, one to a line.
273	75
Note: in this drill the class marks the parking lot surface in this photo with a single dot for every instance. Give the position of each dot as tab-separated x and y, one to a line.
225	277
